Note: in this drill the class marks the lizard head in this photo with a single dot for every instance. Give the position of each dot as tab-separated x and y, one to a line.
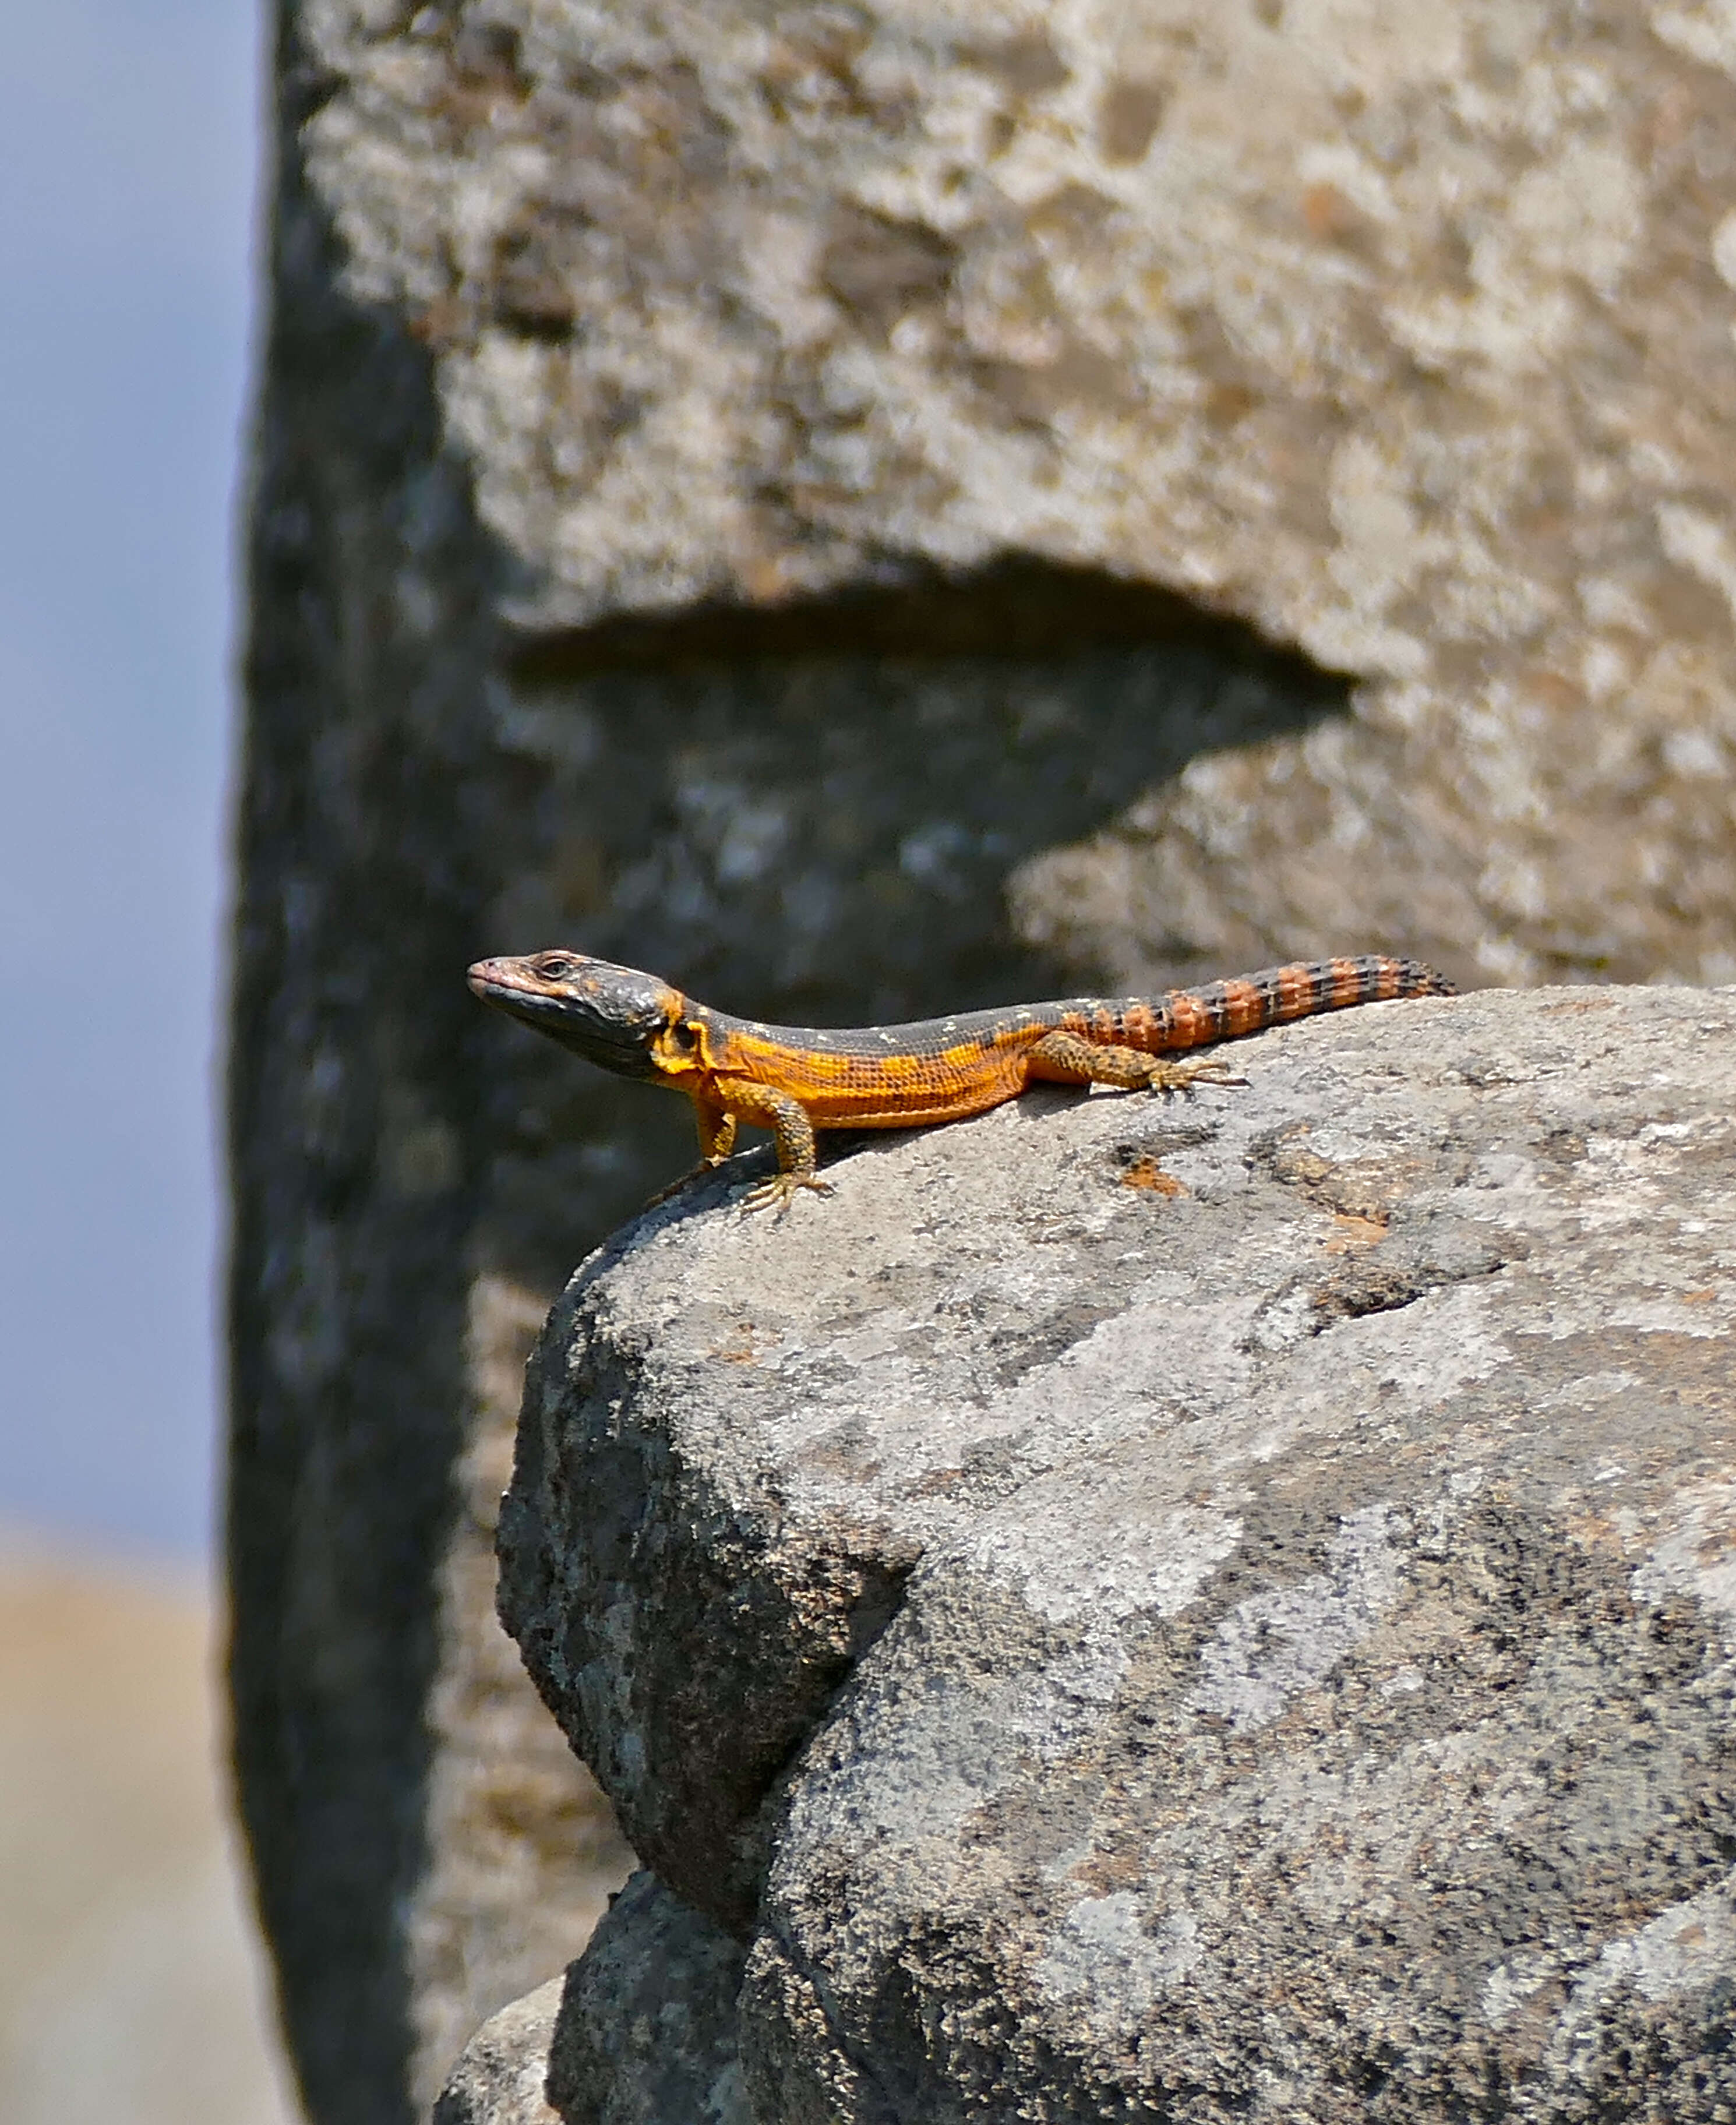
611	1016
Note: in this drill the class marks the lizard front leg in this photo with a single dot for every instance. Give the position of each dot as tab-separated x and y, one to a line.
716	1127
1067	1059
716	1141
792	1132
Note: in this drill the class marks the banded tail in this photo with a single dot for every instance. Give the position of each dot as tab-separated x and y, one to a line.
1248	1003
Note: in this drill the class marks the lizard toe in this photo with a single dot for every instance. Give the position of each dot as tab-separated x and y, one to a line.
1169	1078
780	1191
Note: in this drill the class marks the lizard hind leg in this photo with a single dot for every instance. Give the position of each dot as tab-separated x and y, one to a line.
1067	1059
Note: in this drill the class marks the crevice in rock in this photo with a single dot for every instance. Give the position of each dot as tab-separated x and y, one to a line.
563	1557
859	2057
884	1586
1018	607
1389	1276
1384	1287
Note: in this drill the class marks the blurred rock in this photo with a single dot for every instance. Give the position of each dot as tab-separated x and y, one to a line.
1404	332
866	512
1129	1609
522	1850
132	1984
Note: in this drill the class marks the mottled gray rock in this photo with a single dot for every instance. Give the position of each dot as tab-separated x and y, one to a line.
1205	1610
646	2029
501	2074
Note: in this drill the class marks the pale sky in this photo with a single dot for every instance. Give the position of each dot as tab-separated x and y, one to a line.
127	180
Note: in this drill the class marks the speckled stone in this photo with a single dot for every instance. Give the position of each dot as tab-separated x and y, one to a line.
1214	1609
500	2076
646	2029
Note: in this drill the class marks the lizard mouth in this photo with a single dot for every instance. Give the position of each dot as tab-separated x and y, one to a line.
593	1016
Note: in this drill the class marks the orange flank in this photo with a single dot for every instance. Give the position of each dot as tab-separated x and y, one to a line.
889	1090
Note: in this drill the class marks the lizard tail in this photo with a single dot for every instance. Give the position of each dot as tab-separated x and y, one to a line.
1193	1018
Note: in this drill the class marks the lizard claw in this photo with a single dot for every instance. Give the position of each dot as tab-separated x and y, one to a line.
1167	1077
779	1192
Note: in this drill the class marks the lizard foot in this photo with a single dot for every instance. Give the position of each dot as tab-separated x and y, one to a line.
779	1192
1167	1077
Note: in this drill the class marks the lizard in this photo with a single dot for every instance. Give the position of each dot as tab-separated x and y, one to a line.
794	1080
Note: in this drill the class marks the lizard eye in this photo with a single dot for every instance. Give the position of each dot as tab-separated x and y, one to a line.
555	966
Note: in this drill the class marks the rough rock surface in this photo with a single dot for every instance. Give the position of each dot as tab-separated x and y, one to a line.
646	2029
1210	1610
642	2030
501	2075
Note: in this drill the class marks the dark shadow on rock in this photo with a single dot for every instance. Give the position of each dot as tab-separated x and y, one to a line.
1017	606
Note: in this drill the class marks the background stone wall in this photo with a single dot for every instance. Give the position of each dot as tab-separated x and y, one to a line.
864	510
1400	330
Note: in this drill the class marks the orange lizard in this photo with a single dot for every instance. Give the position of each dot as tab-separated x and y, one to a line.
794	1079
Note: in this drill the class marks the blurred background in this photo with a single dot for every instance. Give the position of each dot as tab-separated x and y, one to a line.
131	1985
